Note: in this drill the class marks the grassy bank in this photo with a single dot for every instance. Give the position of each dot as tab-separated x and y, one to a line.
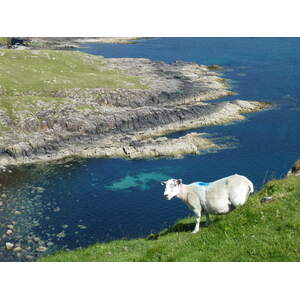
31	79
3	41
255	232
47	71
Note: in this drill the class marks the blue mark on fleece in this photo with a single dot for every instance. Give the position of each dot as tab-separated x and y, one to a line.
202	183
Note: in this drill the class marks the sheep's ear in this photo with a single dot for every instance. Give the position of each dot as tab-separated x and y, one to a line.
163	182
179	181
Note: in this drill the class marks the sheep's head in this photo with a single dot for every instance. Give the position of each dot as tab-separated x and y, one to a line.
172	187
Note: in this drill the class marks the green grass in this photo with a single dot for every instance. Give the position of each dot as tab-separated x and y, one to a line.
254	232
47	71
3	41
26	104
86	107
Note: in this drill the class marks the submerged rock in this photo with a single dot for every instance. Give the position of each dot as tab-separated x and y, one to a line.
41	249
82	226
9	246
61	234
17	249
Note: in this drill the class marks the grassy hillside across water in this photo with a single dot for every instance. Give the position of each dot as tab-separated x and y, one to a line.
255	232
31	78
47	71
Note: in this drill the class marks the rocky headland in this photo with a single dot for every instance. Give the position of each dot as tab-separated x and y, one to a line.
94	107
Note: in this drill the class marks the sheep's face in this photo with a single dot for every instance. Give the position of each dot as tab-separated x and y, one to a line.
172	187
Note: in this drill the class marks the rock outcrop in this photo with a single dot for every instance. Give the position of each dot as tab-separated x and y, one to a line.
295	170
74	42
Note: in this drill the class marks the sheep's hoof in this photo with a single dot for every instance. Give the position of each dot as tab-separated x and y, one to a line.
195	231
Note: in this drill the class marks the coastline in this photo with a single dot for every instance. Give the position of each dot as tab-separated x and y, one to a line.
126	116
148	144
60	43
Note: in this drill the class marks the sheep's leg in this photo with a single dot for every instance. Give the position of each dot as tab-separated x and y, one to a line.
198	217
207	222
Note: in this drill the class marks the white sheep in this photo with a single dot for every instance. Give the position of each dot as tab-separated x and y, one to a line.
218	197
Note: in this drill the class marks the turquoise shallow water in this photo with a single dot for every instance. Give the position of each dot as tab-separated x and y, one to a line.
78	203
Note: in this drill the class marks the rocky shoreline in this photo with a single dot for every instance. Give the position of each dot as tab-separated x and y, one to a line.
66	42
124	122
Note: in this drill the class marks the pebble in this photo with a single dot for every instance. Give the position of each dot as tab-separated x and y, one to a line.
17	212
9	232
1	203
3	195
41	249
29	256
17	249
265	199
61	234
10	226
9	246
82	226
39	189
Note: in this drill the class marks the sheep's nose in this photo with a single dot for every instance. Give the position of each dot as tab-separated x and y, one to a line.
166	196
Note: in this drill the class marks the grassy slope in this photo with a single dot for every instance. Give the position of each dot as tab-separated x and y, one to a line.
44	71
3	41
31	76
254	232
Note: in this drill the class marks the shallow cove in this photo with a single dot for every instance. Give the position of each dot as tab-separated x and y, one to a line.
77	203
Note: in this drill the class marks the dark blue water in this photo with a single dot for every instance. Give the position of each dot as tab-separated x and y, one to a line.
82	202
